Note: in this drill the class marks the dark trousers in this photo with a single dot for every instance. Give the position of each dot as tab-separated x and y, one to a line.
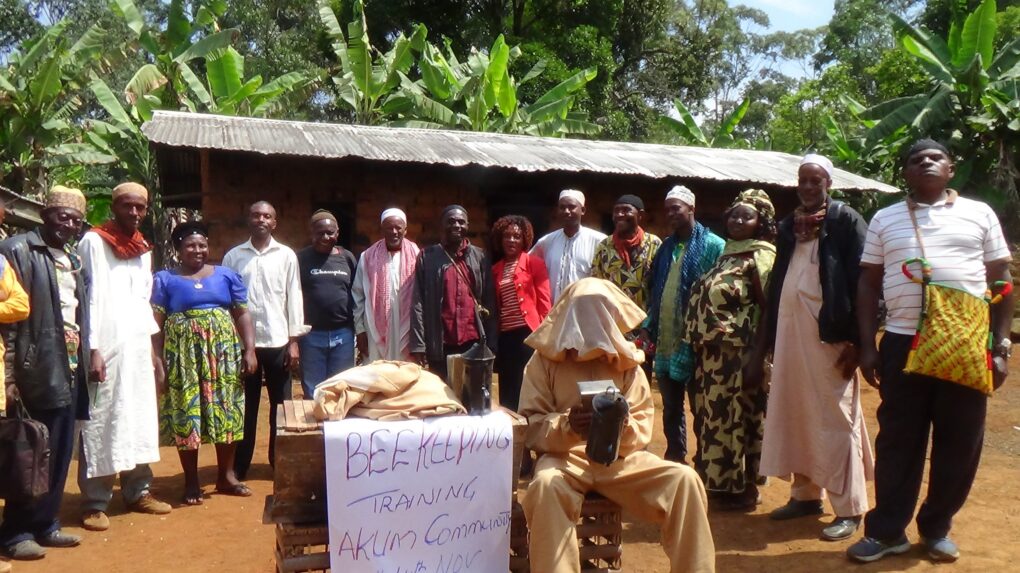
912	407
674	419
278	385
510	360
37	517
438	366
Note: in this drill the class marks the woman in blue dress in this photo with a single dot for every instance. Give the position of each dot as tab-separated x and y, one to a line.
201	309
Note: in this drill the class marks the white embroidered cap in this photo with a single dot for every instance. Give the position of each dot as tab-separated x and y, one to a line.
393	212
573	194
682	193
819	160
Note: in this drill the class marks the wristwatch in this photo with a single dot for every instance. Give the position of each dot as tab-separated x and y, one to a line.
1003	348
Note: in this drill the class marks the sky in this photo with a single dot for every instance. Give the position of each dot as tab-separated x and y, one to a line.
790	15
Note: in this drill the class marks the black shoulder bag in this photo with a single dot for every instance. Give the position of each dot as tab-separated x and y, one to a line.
24	455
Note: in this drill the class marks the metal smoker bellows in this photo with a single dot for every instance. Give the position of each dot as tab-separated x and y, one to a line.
609	412
476	395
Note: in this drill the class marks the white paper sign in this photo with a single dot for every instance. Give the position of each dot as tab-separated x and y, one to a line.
421	496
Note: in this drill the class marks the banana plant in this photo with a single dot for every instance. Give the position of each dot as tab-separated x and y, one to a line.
367	77
230	93
480	94
969	80
972	105
168	80
39	96
692	134
853	152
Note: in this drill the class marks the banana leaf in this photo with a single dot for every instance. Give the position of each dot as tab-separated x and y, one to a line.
978	35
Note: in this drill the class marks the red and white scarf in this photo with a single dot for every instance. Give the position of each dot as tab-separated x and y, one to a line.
377	262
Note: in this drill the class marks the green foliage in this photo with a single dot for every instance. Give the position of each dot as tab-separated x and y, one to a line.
968	79
858	36
645	52
691	133
366	76
39	97
972	103
479	93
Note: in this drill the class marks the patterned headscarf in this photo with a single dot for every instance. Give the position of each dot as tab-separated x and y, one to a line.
757	200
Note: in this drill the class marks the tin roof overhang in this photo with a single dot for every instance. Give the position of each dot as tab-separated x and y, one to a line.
466	148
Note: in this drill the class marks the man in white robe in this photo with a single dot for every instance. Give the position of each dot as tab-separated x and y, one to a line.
568	251
122	436
383	289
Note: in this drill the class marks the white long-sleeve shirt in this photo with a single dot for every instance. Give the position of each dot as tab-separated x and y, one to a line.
274	291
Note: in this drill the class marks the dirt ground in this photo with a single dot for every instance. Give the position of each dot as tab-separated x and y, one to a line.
226	534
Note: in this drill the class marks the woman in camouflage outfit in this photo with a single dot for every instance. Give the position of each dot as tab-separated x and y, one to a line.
721	322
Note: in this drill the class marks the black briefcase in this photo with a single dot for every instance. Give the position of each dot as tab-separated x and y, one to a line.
24	455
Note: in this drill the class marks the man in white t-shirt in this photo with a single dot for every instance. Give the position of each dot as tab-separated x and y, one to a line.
963	241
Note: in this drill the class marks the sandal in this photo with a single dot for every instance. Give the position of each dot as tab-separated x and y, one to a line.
192	497
239	489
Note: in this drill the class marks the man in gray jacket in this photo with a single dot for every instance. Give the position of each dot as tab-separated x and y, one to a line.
52	389
453	297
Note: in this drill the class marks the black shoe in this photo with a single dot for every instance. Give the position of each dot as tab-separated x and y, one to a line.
797	508
59	539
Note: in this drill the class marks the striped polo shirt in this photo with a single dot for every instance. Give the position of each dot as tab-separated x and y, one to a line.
960	235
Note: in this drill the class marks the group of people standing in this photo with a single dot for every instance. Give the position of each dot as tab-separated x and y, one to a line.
701	312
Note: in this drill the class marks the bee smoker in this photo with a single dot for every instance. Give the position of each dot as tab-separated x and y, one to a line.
609	411
476	395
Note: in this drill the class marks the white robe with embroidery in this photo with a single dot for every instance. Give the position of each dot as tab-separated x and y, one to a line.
568	259
124	427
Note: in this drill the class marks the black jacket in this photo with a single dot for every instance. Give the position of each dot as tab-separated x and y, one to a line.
36	345
840	245
426	318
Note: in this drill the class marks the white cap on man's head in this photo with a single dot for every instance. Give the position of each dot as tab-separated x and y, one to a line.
819	160
573	194
393	212
682	193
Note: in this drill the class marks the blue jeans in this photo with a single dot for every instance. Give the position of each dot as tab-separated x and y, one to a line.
323	354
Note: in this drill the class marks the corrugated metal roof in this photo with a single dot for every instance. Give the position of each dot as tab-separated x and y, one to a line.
463	148
21	211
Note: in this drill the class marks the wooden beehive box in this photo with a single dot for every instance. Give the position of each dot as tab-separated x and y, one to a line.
299	476
299	483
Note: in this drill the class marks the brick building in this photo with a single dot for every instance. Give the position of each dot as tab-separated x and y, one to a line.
223	164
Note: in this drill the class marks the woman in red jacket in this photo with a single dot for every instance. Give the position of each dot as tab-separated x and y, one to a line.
522	300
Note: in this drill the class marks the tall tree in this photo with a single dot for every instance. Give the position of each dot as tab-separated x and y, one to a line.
859	34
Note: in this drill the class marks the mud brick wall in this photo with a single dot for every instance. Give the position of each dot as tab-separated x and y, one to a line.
357	191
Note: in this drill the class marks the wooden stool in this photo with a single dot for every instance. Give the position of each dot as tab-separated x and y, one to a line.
599	536
302	547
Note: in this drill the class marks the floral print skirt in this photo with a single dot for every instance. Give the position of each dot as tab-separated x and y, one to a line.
204	400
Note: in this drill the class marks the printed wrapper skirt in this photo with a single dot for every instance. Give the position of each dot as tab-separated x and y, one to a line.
204	400
731	420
